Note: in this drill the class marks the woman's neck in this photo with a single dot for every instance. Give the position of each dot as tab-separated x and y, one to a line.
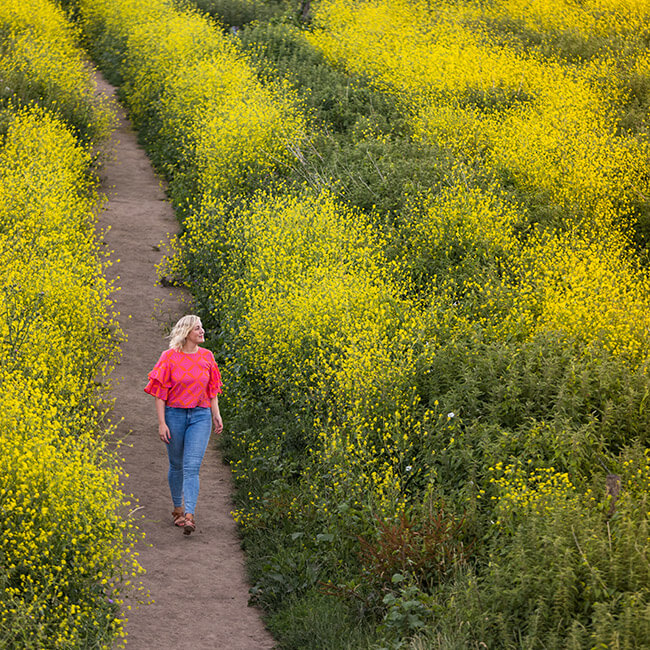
190	348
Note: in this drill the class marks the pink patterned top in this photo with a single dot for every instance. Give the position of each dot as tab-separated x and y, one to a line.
185	380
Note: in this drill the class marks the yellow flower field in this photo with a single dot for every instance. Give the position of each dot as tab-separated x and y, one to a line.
550	129
42	62
65	550
218	123
385	367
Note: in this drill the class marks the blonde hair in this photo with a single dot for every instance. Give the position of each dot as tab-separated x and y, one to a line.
180	331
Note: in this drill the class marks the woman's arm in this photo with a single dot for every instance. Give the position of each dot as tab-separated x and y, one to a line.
216	416
163	429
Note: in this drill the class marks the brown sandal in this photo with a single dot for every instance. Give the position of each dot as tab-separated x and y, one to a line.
179	517
190	524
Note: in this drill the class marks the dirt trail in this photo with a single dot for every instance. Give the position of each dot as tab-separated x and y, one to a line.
198	582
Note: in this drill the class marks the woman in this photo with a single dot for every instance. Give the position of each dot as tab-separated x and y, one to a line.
185	383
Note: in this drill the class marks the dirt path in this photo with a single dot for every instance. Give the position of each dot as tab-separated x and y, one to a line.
198	583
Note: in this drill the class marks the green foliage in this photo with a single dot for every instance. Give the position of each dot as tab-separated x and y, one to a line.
239	13
543	379
320	621
408	611
572	569
284	576
361	146
427	551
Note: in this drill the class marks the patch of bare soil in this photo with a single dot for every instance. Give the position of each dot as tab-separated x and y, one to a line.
198	582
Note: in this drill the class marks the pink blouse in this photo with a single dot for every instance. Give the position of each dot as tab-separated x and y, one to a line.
185	380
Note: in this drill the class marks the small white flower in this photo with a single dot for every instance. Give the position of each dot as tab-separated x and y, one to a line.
451	414
409	468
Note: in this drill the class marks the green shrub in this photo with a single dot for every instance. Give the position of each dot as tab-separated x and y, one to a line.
238	13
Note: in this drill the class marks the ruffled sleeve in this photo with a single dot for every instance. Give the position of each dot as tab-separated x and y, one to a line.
214	383
160	380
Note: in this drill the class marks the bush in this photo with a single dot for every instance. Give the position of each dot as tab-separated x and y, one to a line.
209	125
42	63
239	13
66	552
65	545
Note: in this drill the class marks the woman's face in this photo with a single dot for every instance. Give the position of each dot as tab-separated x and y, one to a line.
196	334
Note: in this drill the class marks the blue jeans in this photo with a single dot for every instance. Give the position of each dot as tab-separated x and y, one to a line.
190	432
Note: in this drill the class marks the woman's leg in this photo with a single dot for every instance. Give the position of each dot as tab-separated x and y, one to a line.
197	435
176	420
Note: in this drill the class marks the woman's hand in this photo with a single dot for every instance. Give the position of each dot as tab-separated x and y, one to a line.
163	432
163	429
217	422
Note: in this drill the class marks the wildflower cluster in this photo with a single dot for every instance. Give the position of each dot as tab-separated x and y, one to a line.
67	558
547	128
41	62
534	492
213	126
574	30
